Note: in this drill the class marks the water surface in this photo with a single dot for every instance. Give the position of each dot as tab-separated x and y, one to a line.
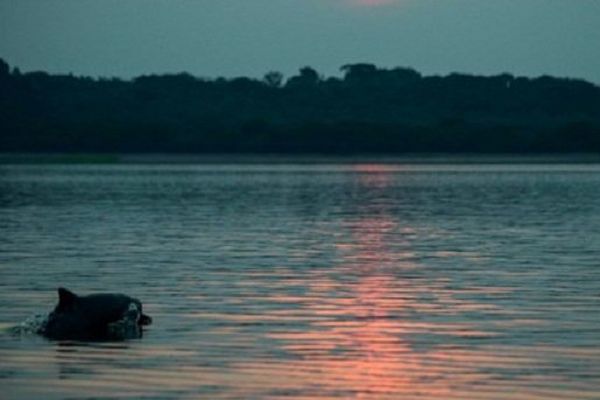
290	281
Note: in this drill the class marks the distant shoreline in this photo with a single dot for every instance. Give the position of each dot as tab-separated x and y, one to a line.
416	158
393	113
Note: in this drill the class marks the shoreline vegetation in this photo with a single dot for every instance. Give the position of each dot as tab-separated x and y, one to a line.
274	159
367	111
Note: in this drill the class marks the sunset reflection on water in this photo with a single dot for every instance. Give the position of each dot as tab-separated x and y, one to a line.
358	344
369	281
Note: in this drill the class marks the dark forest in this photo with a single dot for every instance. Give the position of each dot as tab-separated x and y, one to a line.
366	110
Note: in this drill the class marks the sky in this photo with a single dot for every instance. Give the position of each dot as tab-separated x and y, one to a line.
210	38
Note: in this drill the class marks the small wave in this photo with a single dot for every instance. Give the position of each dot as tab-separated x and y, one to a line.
35	324
127	327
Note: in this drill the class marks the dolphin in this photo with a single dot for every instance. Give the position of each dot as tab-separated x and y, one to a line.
101	316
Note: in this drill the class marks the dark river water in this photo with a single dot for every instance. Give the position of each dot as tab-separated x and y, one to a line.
291	281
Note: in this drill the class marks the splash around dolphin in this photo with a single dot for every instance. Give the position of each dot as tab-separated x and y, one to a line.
94	317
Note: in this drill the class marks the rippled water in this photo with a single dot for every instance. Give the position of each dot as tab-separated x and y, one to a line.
309	281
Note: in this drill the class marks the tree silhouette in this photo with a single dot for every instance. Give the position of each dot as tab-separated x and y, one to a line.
273	79
370	109
307	77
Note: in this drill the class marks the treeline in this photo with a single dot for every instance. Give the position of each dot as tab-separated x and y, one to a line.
368	109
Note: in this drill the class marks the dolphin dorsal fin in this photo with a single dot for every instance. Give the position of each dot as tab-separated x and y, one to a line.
66	298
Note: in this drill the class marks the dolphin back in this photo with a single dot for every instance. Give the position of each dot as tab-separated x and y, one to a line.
103	316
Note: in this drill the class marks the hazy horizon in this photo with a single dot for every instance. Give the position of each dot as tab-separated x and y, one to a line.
234	38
